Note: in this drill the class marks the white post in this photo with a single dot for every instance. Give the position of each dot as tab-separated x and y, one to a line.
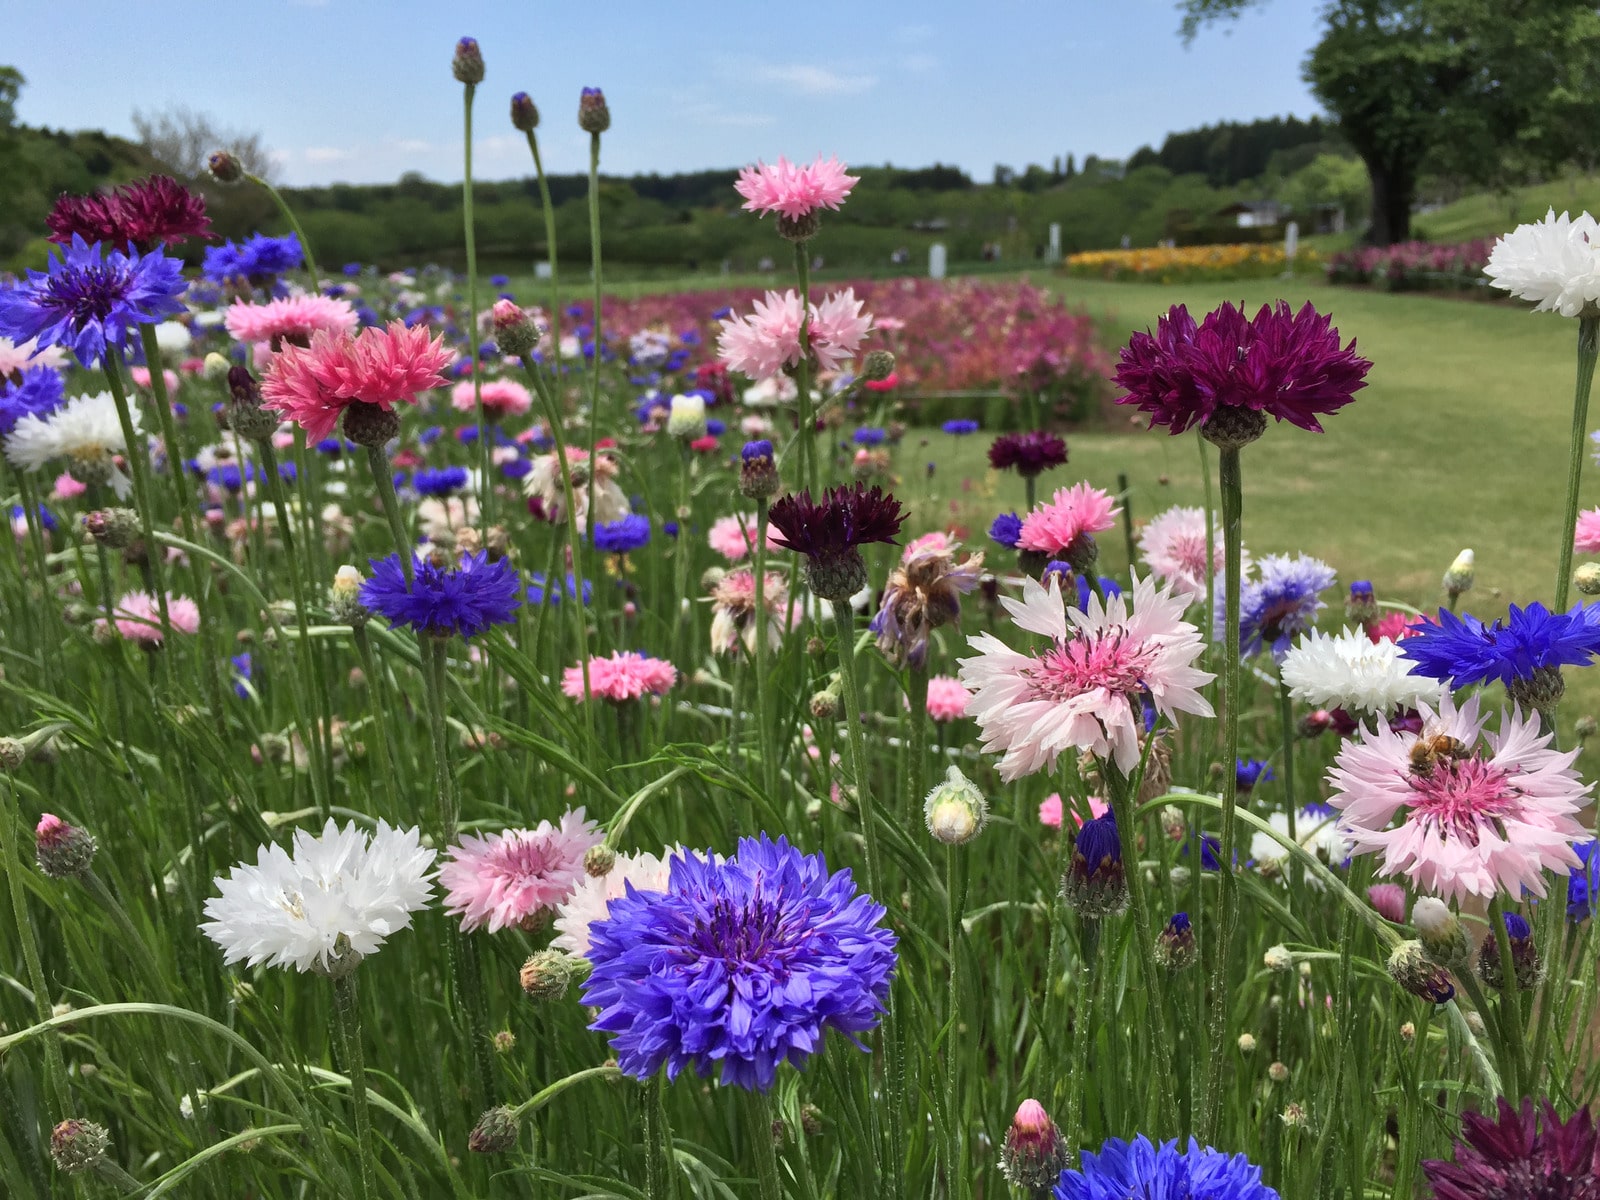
1054	254
936	261
1291	244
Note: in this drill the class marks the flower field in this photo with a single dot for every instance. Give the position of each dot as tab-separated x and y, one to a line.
1185	264
1415	267
461	739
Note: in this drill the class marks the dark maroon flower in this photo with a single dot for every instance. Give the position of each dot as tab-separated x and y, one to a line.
828	534
1513	1158
157	211
1030	453
1287	364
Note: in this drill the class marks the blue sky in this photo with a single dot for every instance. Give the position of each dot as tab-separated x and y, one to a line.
360	90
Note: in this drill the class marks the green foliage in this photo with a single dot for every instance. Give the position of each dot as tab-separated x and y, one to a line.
1233	152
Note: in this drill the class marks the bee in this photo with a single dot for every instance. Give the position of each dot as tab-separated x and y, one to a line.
1426	752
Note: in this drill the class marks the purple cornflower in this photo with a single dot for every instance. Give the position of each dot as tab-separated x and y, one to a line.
444	601
1519	1155
38	393
1518	650
88	301
155	211
1289	365
829	534
960	428
538	595
1150	1172
756	450
255	259
869	435
1247	772
441	482
1029	454
739	965
1095	882
1007	530
622	536
1279	604
1583	882
243	673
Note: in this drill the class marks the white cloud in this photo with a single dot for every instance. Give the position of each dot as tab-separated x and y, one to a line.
919	62
711	114
325	154
812	80
412	145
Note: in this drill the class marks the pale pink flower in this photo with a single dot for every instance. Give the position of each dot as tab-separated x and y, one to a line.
626	675
501	397
1086	691
733	611
1051	810
1587	538
1480	812
1173	545
16	357
67	488
837	327
933	543
591	898
138	616
1389	899
734	537
947	698
794	191
293	317
508	879
767	340
1067	516
141	378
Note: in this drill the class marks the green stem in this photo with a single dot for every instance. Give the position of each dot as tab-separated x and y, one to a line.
1505	1063
139	465
294	224
379	462
1405	1160
1511	1020
1232	490
956	1183
916	742
802	374
1286	712
599	341
1588	350
657	1140
1082	1032
348	997
486	484
769	739
369	664
136	945
550	243
769	1185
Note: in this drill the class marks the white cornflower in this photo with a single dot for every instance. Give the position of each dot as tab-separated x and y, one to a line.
589	901
1351	671
85	431
1555	262
1315	832
173	337
327	906
1173	546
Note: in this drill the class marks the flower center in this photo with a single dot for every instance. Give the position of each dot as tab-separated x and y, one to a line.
1460	797
521	861
90	293
1189	550
752	934
1108	660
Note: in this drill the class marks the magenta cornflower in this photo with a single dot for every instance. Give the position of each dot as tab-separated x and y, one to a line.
625	676
1056	526
515	877
947	698
155	211
1286	364
1480	812
1089	688
1519	1154
1029	454
793	191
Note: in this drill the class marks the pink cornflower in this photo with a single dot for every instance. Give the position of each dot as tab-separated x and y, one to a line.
1173	545
1481	812
390	366
1087	690
1587	538
138	617
67	488
626	675
734	537
1072	512
947	698
767	340
1051	810
794	191
501	398
933	543
837	327
1396	626
306	383
1389	900
508	879
141	378
293	318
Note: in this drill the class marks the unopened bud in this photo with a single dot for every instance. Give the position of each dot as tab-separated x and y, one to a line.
1294	1116
593	115
598	860
1528	967
877	366
1278	1072
524	113
956	810
1172	823
1034	1153
1587	579
1247	1043
824	705
1585	727
116	528
514	330
1095	883
216	366
246	417
467	65
344	596
1278	958
77	1145
546	975
496	1132
1361	607
64	851
1413	970
225	167
686	418
1175	947
758	471
1442	934
12	754
1458	578
504	1041
1408	1033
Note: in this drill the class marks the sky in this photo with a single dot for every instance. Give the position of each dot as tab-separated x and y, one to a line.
361	91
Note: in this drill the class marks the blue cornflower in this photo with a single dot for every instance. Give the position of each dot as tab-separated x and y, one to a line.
1463	650
538	595
761	448
715	428
441	482
38	393
960	428
1583	882
1150	1172
623	535
1060	571
87	301
352	268
1247	772
467	434
227	476
430	435
442	601
332	447
670	528
869	435
499	280
47	519
255	258
243	672
1007	530
1109	586
1279	604
739	965
517	468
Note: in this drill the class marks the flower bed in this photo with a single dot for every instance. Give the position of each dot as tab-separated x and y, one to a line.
1414	266
1186	264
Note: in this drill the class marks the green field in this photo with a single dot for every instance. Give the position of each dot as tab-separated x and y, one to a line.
1489	214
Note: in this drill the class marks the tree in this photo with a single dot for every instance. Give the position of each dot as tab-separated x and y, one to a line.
11	82
1482	89
182	140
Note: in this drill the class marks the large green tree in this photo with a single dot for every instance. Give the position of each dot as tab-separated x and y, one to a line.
1484	90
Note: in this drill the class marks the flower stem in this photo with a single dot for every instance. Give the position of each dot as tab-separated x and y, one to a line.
1511	1020
139	464
485	484
766	1151
348	1001
1588	351
294	224
1082	1032
1286	711
594	366
917	742
769	740
1405	1160
955	1174
657	1140
379	462
802	375
1232	490
550	244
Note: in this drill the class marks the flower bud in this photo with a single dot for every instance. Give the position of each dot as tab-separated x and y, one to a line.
593	115
1315	724
1175	947
810	1120
546	975
13	753
1413	970
64	851
1361	607
1442	934
1278	958
1587	579
1034	1153
955	811
77	1145
598	860
1389	900
216	366
1277	1072
496	1132
514	330
116	528
758	471
1525	959
467	65
1247	1043
1173	824
1095	884
824	705
524	113
877	366
687	416
344	596
504	1041
1408	1033
246	417
225	167
1295	1116
1458	578
1585	726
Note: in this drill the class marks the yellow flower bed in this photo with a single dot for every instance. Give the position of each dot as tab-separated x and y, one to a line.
1182	264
